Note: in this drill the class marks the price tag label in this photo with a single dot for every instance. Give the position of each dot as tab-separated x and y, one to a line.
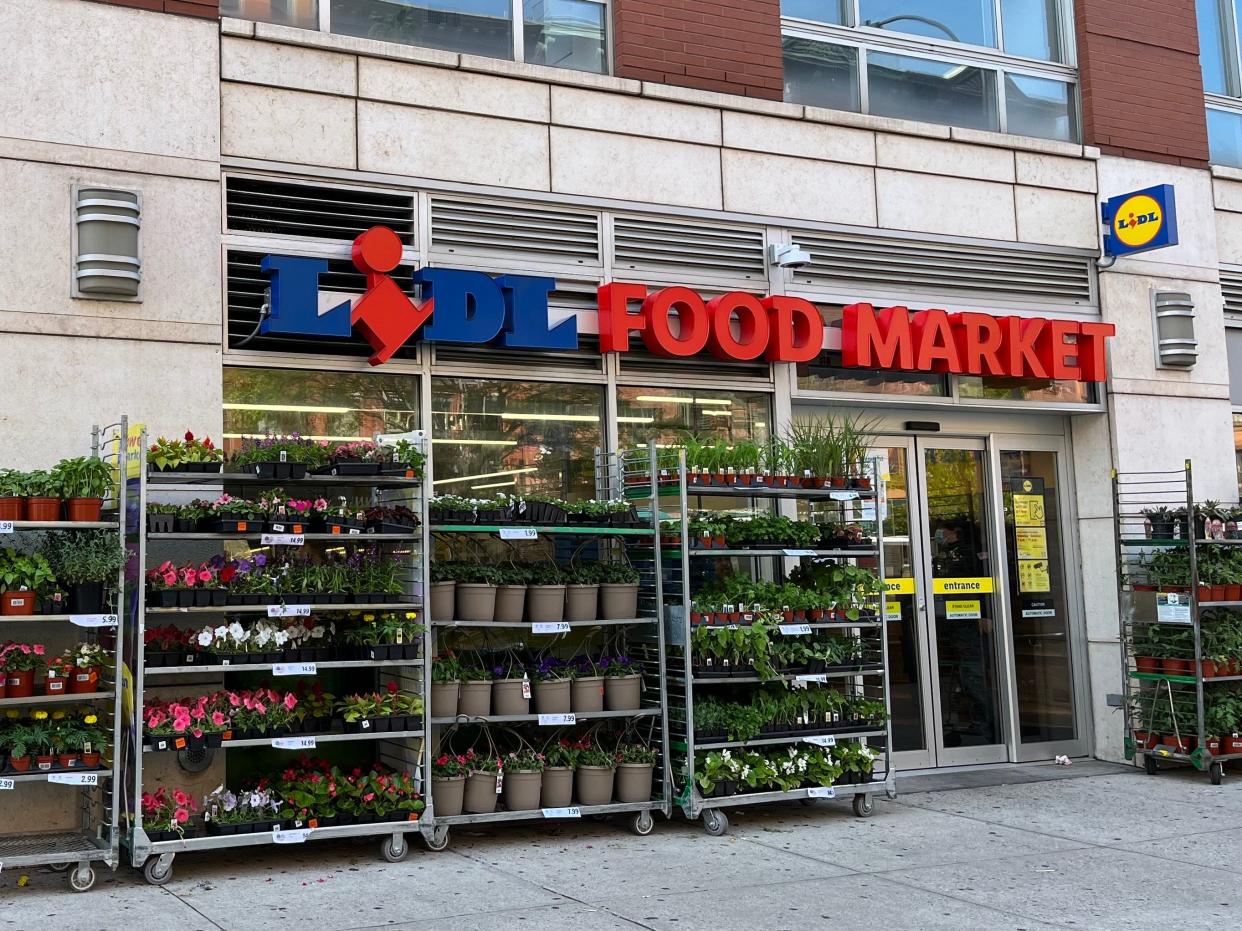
295	669
525	687
550	627
820	677
573	811
74	779
6	784
798	552
93	620
822	792
283	539
824	740
293	743
519	533
6	526
795	630
557	720
291	837
843	495
288	610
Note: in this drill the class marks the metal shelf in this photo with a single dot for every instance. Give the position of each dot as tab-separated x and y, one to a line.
839	792
66	525
23	850
218	842
534	718
102	772
791	552
334	537
582	531
752	491
871	669
32	618
251	667
817	625
335	737
776	741
64	699
526	625
1185	679
247	478
314	609
536	814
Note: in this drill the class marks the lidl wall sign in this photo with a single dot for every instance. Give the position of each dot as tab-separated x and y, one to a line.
1140	221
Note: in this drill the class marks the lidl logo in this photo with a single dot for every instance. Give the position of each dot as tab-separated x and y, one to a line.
1140	221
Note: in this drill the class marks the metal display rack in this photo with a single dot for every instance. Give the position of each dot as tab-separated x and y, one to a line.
683	573
1166	694
97	838
614	542
399	750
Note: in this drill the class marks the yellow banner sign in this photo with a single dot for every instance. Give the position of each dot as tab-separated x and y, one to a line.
963	610
899	586
133	450
1032	542
892	609
1028	511
974	586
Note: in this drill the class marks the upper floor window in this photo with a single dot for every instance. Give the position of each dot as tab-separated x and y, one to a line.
1222	78
999	65
561	33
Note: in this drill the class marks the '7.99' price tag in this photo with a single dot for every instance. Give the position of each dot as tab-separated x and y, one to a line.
550	627
824	740
293	743
557	720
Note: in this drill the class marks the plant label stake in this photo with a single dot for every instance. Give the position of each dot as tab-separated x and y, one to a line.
557	720
293	743
6	526
291	837
572	811
6	784
798	552
93	620
824	740
525	686
283	539
294	669
74	779
288	610
821	792
795	630
519	533
550	627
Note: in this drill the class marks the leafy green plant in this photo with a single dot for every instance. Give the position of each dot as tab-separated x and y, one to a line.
83	556
26	573
84	477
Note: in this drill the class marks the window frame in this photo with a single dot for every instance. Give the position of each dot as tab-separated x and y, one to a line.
866	39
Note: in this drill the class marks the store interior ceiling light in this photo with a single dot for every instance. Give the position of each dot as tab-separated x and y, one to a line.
288	408
512	481
663	399
572	418
472	478
717	413
307	436
621	419
704	402
448	442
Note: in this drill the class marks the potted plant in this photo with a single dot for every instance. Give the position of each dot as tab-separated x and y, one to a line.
588	686
635	765
482	785
166	815
595	775
88	562
280	457
42	496
88	659
560	760
523	783
66	739
12	494
448	782
618	591
545	593
445	686
553	686
511	689
21	662
406	460
42	744
510	593
58	672
22	577
390	519
85	482
476	591
476	691
19	741
623	683
443	590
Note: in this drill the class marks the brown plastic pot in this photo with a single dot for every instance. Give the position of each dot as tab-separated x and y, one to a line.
82	510
67	760
43	509
480	796
447	795
1233	592
475	602
12	508
17	603
595	784
581	602
545	603
558	787
1176	667
91	760
588	694
553	697
634	782
476	699
1208	668
523	790
1147	663
507	699
618	602
623	693
443	596
20	764
510	604
444	698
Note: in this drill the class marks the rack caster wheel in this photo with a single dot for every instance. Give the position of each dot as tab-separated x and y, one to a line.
715	822
1150	764
394	849
439	839
82	879
863	806
642	824
59	867
807	802
156	872
1216	772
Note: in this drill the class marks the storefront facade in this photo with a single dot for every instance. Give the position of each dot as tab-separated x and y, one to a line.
290	142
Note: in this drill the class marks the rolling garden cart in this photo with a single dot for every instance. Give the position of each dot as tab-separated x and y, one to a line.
694	559
395	742
93	793
1179	606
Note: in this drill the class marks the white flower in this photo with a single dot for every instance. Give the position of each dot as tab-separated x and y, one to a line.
281	638
745	771
204	637
726	755
237	632
221	632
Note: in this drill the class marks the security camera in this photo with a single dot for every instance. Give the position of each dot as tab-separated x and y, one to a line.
790	256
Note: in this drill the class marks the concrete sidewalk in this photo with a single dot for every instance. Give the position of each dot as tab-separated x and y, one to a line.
1094	847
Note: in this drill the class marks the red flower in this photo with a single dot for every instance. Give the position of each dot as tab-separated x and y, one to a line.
189	437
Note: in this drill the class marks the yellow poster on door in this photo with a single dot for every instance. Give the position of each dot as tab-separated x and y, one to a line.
1033	576
1032	542
1028	511
899	586
892	609
963	586
963	610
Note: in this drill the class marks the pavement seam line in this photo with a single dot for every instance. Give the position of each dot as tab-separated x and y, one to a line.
191	907
974	904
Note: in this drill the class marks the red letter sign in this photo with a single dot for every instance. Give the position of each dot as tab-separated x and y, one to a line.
883	342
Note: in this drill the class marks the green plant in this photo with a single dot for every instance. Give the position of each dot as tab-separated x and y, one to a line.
524	760
446	668
12	483
42	484
83	556
27	573
617	574
545	573
84	477
636	753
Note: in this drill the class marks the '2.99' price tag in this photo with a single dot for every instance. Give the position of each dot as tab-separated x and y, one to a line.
74	779
6	784
293	743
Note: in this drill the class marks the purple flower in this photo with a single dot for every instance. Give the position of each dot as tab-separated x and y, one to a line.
260	560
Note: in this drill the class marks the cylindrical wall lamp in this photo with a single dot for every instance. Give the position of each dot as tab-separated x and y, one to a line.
106	261
1176	346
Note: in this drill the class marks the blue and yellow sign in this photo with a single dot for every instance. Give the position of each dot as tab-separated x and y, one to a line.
1140	221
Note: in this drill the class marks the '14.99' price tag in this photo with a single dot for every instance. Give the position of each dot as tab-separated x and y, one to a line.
557	720
293	743
821	792
283	539
795	630
288	610
825	740
291	837
294	669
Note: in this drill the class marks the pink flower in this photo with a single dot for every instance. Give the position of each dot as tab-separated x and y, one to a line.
291	701
180	798
38	649
217	719
204	575
183	816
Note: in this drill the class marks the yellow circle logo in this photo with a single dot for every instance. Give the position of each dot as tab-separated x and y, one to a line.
1138	221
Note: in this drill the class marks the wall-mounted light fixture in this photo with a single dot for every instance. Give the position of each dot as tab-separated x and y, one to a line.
1176	346
106	261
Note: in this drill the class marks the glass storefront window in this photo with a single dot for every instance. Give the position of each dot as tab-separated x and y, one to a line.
969	21
304	14
821	11
994	388
1225	137
1032	28
567	34
1040	107
1215	46
1237	446
340	406
477	27
669	415
517	437
931	91
827	374
820	74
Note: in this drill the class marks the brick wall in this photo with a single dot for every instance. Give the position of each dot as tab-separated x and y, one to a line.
1142	90
730	46
205	9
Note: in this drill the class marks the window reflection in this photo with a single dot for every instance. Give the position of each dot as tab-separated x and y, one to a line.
995	388
969	21
1237	445
566	34
1040	107
304	14
518	437
478	27
1032	29
1225	137
819	74
932	91
826	373
822	11
1213	46
668	415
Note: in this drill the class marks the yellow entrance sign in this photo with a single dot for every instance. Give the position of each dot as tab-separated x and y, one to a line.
892	609
1028	511
971	586
1032	542
899	586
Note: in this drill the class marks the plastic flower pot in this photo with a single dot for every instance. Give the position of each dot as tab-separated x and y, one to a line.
91	760
558	787
44	762
510	604
618	602
1231	744
20	764
86	598
595	784
17	603
475	602
12	508
443	596
1176	667
523	789
43	509
444	696
447	795
623	693
480	796
507	698
588	694
20	683
476	699
68	760
553	696
634	782
1233	592
83	509
55	684
581	602
1147	663
545	603
84	680
1208	668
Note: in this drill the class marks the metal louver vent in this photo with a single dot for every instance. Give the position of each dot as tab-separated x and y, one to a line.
878	263
247	289
1231	289
264	205
694	248
514	231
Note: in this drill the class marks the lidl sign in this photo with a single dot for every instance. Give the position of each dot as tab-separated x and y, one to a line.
1140	221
